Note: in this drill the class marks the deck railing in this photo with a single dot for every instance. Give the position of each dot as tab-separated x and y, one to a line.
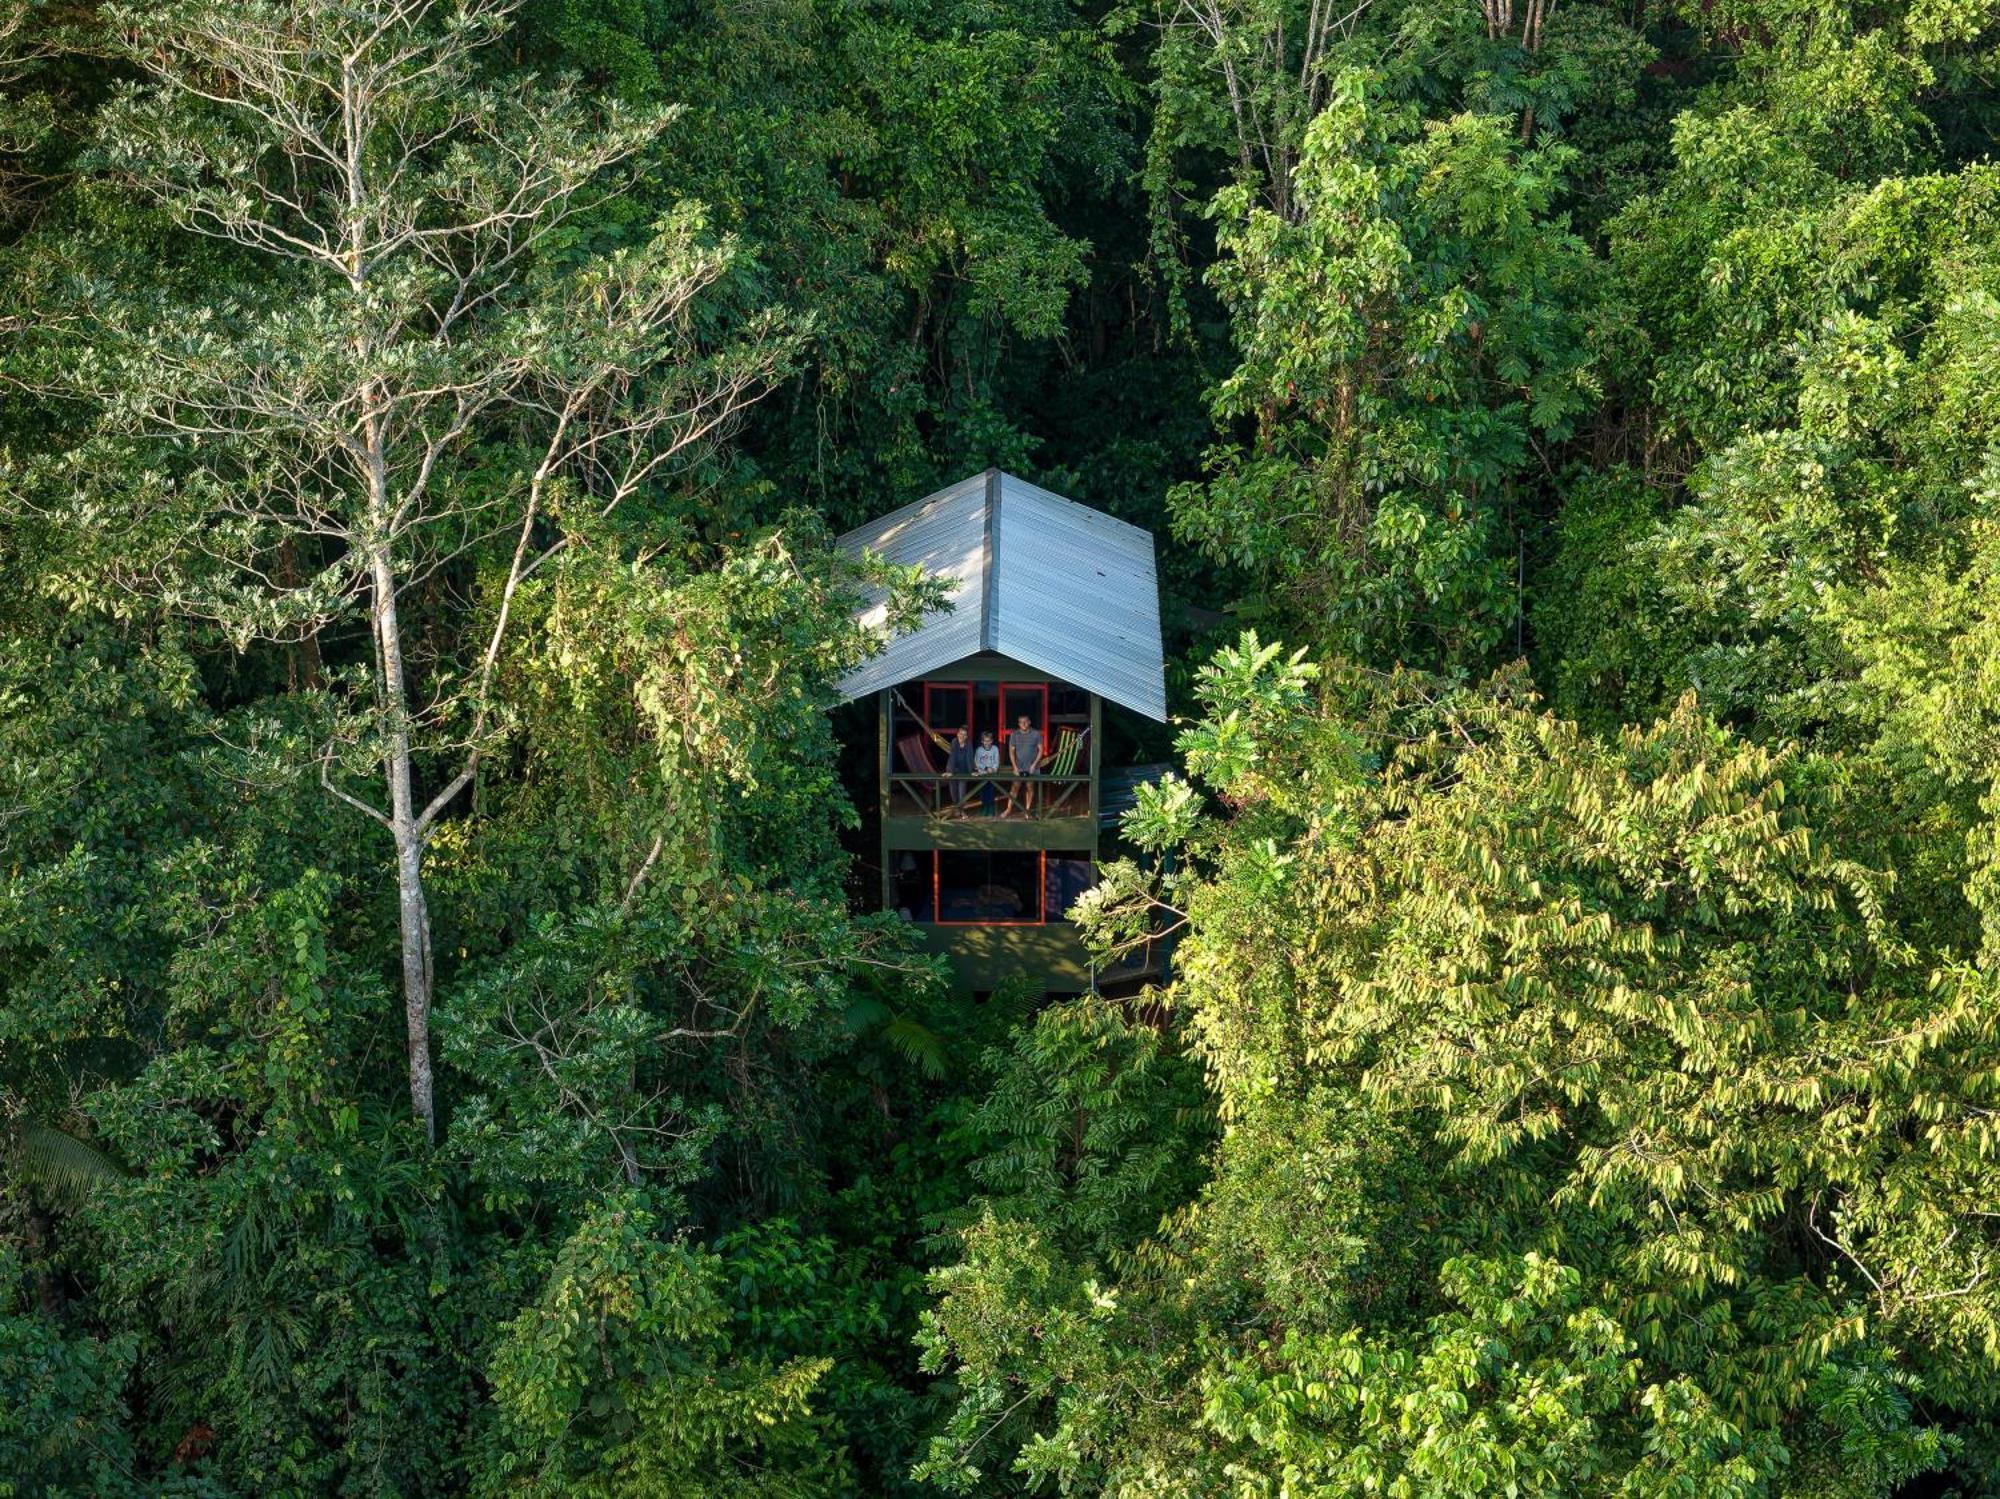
953	796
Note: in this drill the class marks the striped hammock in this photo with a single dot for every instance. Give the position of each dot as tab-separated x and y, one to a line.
1063	761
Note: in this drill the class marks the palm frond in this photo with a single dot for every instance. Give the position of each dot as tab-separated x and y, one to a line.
69	1167
864	1013
917	1044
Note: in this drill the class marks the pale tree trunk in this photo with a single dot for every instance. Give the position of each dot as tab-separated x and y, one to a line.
405	826
413	914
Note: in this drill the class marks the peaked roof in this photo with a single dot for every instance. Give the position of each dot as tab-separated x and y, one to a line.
1050	583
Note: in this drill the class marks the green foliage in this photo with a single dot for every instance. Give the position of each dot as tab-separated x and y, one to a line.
1092	1129
925	181
1590	1101
617	1379
62	1431
1609	1005
1405	337
1510	1392
285	1240
58	1163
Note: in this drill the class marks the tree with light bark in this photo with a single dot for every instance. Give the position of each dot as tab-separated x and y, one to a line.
410	386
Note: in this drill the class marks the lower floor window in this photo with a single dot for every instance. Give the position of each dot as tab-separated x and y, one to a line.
991	887
986	888
1067	877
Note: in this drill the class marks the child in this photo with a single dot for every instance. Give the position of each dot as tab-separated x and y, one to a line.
986	759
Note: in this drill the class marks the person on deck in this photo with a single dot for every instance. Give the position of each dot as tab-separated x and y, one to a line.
958	765
1025	755
986	761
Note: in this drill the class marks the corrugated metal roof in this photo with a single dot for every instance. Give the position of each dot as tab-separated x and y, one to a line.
1050	583
1118	791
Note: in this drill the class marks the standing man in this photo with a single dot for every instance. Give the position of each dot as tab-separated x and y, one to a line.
1025	755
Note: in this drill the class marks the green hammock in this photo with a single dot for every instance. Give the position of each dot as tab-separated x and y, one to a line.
1063	763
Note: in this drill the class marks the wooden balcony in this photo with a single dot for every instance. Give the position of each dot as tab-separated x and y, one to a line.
939	811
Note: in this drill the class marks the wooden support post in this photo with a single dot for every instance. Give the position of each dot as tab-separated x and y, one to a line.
1095	743
887	727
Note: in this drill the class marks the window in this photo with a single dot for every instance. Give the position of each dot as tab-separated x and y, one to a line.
1029	700
948	707
1068	875
1005	887
988	887
913	886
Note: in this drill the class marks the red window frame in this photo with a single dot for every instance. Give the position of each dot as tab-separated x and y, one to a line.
1041	916
930	712
934	694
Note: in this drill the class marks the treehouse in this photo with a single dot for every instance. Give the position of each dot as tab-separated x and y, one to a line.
1054	619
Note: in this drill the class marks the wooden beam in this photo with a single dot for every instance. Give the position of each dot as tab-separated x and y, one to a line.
1095	743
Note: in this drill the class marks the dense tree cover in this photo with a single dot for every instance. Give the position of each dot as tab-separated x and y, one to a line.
440	1046
1599	1133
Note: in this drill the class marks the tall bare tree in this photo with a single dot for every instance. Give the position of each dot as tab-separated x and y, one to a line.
409	374
1270	56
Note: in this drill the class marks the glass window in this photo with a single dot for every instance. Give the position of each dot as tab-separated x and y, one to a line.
948	707
988	887
913	886
1067	877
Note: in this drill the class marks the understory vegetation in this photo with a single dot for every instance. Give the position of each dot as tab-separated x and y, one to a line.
445	1044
